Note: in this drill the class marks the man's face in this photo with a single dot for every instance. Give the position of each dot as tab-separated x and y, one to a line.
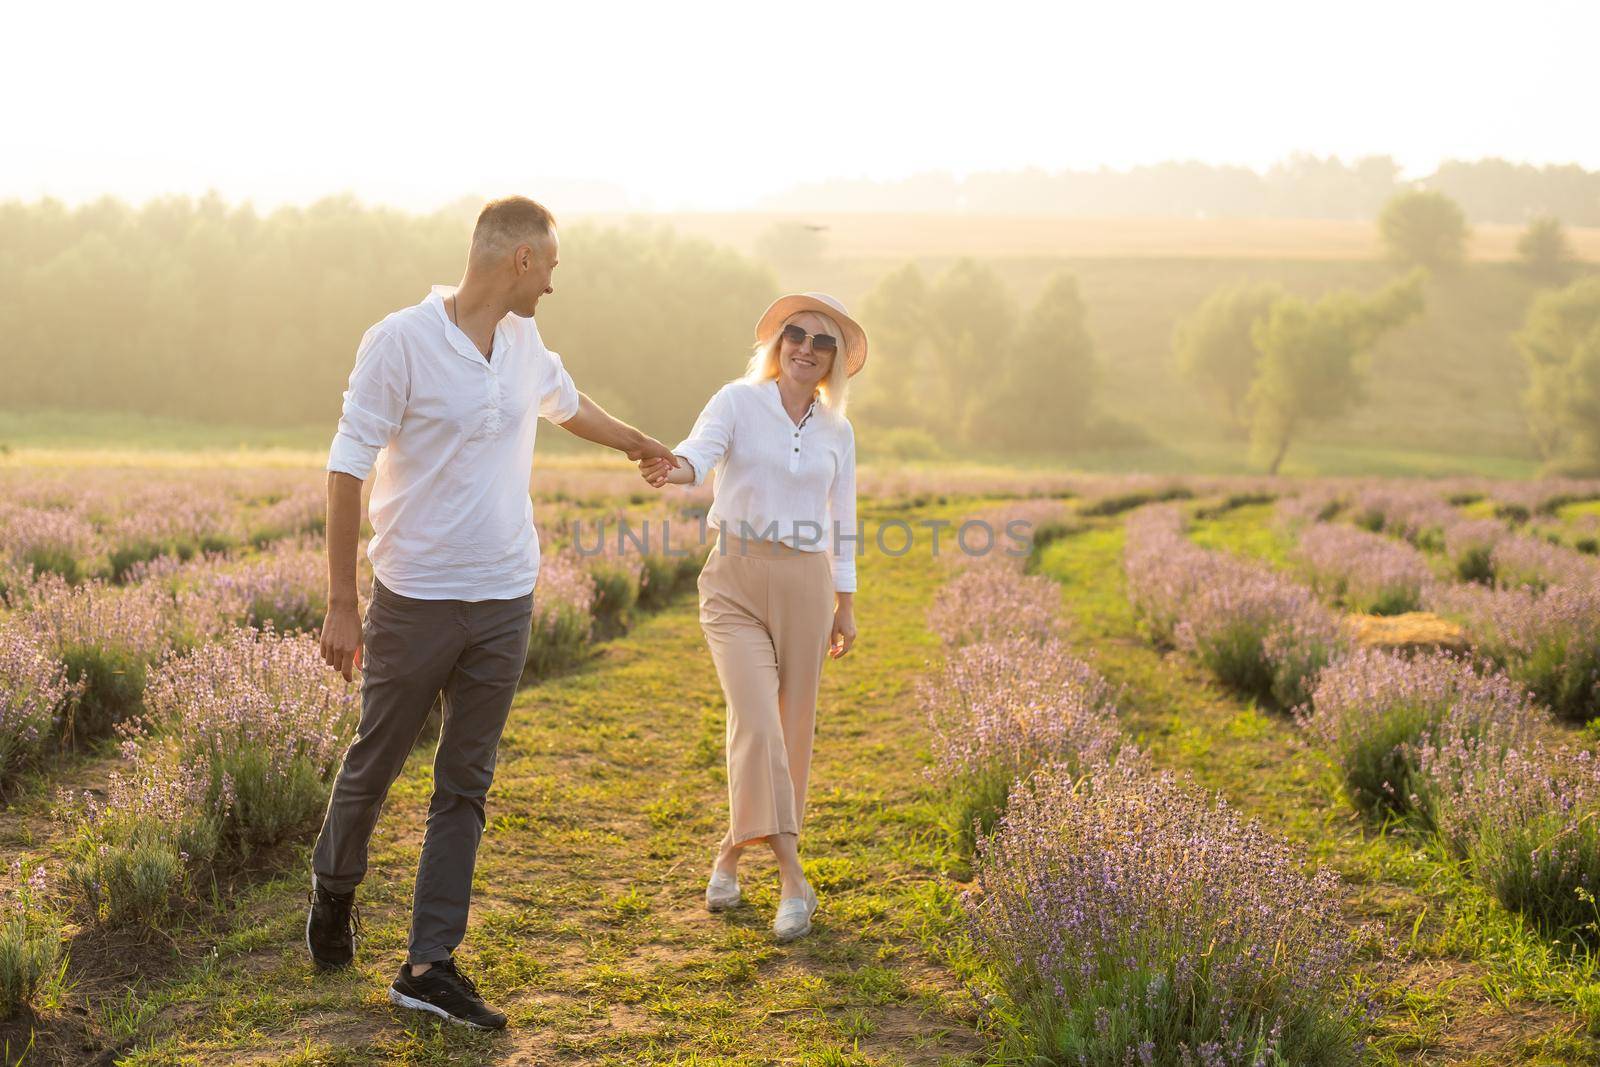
535	264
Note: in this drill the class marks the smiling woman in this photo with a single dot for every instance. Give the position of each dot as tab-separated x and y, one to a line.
785	457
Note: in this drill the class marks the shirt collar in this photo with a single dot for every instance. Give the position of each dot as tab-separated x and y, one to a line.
452	333
777	398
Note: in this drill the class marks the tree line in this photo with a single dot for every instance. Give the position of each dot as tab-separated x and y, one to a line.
1302	186
195	309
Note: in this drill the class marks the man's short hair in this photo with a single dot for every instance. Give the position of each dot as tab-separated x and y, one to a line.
508	222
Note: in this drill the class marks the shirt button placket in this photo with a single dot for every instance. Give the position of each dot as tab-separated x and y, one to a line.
494	399
794	456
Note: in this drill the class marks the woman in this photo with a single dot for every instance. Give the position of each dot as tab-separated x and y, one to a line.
777	592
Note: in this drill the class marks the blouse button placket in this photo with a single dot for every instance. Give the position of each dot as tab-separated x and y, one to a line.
794	453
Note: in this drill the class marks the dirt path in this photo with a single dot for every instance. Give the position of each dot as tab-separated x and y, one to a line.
587	925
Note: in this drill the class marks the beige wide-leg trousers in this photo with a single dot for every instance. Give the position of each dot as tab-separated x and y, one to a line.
767	612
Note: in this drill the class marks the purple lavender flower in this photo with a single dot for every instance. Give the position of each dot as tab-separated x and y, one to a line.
990	601
1128	911
1371	711
1364	571
1001	710
35	696
1520	560
1549	642
1255	629
237	745
1528	823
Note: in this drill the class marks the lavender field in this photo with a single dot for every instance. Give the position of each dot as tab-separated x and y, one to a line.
1223	771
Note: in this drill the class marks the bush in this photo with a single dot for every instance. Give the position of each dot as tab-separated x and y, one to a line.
1528	822
1372	711
560	637
34	694
106	639
1425	228
1001	711
1549	642
616	591
1132	919
562	624
990	601
129	854
237	748
1364	571
1470	547
30	956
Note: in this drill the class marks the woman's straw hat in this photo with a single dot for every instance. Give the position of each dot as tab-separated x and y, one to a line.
854	339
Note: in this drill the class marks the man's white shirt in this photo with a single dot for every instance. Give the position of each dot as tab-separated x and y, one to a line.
448	438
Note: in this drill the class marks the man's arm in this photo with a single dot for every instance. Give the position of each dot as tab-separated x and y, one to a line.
593	424
341	627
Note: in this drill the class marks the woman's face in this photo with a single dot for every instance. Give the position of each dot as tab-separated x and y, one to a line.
802	362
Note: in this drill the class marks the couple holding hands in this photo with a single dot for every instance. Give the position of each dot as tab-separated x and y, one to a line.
441	413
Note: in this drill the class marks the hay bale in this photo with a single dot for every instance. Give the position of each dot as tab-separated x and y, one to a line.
1415	631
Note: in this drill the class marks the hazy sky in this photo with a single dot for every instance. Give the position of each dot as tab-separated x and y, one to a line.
713	105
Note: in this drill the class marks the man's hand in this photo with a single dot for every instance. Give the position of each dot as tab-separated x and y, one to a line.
843	634
341	639
651	449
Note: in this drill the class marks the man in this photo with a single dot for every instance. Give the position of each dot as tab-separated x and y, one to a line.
442	409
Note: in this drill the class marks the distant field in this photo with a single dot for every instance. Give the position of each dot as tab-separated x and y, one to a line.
853	235
119	441
1446	390
1445	395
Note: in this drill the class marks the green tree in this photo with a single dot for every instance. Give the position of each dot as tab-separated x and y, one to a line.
897	390
1314	359
1044	400
1214	350
1424	228
1544	250
971	317
204	310
1560	343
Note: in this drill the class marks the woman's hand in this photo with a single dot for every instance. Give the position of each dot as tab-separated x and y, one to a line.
844	626
659	471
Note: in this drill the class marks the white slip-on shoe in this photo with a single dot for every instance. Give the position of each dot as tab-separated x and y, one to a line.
794	916
722	892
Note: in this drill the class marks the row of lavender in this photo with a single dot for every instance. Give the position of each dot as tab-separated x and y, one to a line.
1130	917
1447	744
1529	606
231	726
101	522
106	527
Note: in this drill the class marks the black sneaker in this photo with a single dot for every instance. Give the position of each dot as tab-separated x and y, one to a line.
332	925
447	993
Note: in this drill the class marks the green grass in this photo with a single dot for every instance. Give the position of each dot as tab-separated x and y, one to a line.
56	429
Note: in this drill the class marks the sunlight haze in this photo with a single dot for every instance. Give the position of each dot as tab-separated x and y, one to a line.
606	106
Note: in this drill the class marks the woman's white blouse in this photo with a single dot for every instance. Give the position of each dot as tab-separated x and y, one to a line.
776	480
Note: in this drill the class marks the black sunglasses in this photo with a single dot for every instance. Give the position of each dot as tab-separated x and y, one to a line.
820	342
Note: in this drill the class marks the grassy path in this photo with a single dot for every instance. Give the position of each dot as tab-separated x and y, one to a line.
587	926
1467	984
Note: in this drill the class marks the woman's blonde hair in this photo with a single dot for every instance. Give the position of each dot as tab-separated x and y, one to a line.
763	364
